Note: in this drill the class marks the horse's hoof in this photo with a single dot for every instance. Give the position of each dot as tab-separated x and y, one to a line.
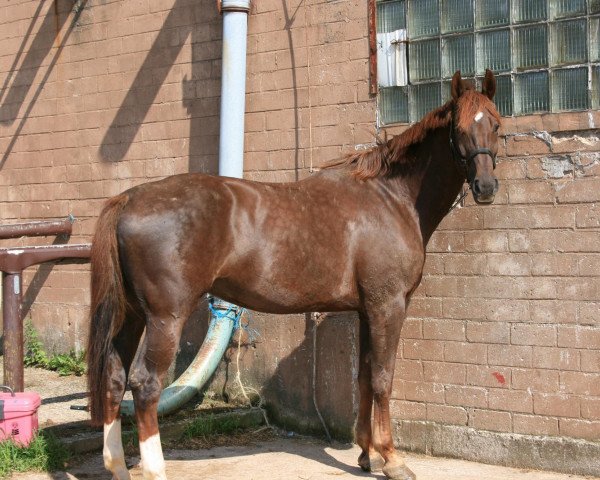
371	463
398	472
377	462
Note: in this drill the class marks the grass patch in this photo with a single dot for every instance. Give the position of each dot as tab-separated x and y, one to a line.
222	430
71	363
45	453
211	425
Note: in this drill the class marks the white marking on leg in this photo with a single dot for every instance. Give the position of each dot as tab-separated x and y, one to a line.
153	463
114	458
479	116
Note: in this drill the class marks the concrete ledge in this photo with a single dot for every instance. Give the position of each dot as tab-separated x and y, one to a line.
560	454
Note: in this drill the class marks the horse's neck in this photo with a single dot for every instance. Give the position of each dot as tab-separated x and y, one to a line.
438	184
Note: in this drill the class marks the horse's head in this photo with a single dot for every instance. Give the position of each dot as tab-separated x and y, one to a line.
474	134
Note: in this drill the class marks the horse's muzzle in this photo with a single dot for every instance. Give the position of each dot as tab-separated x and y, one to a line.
484	189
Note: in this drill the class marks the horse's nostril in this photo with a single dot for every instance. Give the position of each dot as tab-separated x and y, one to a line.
476	189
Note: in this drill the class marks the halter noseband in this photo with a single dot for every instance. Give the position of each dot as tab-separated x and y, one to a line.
463	162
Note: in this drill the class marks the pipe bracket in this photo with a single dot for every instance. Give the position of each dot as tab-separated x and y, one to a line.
234	6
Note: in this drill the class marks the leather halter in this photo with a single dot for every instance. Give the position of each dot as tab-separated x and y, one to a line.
463	162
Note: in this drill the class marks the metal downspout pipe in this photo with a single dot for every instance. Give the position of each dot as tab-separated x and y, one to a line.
224	316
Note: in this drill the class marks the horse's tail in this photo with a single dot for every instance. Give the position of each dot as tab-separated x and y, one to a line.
108	303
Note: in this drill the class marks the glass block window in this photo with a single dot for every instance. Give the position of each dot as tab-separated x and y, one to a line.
545	53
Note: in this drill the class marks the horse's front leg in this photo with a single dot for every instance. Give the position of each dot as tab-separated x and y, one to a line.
369	459
385	323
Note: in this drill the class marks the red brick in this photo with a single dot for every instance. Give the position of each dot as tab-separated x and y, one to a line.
466	396
555	358
510	355
535	380
589	430
488	332
484	376
462	352
526	145
554	264
491	420
578	336
409	370
446	414
590	360
531	192
553	311
420	391
580	142
524	334
590	408
441	372
485	241
423	349
510	400
490	309
529	217
444	329
556	404
580	383
407	410
535	424
425	307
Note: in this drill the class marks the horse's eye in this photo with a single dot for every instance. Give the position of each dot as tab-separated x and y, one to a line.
496	127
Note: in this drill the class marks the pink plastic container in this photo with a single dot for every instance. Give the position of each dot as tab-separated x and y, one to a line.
18	416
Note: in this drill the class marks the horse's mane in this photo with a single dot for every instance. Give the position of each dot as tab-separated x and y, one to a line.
390	156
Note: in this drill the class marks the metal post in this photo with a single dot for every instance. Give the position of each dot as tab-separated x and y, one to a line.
12	287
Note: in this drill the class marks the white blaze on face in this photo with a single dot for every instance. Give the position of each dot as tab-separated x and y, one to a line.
153	463
114	458
479	116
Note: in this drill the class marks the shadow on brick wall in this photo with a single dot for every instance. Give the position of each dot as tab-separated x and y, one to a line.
182	21
45	39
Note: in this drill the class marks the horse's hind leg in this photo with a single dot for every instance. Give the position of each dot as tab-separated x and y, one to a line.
157	352
385	325
123	350
369	459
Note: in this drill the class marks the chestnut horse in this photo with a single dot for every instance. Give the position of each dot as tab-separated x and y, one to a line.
350	237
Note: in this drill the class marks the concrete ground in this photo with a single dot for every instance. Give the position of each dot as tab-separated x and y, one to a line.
278	459
295	459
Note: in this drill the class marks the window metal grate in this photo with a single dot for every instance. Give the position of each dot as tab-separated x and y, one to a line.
424	60
393	105
569	89
531	92
492	13
458	54
493	51
567	8
569	42
529	10
545	53
531	47
424	18
457	15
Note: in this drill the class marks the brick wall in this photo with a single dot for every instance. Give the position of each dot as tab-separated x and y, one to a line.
504	332
100	95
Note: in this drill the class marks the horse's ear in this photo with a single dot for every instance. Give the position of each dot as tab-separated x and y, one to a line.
457	86
489	84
